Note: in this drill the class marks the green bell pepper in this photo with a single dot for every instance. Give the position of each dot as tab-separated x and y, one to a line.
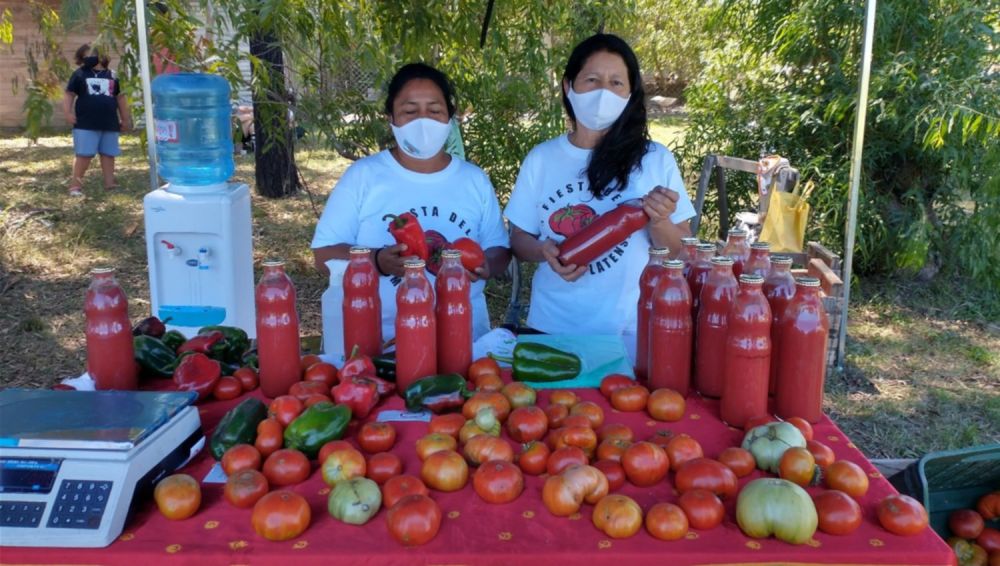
174	339
538	362
236	342
437	393
316	426
153	356
238	426
385	366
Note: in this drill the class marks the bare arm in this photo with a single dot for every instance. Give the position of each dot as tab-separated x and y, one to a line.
67	106
124	112
527	247
497	259
388	260
659	204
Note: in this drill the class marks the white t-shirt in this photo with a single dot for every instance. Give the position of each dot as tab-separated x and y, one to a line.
458	201
550	199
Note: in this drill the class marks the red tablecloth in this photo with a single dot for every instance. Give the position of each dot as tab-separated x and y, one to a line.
475	532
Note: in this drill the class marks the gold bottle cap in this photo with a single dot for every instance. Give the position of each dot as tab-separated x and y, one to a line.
760	246
722	260
360	250
781	260
414	263
751	279
673	264
806	281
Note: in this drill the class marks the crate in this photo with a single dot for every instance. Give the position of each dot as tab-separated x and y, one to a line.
951	480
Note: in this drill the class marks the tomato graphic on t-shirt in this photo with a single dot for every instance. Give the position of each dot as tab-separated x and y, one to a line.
571	218
436	243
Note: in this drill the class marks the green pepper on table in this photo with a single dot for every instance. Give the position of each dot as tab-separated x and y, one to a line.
238	426
236	343
316	426
153	356
174	339
437	393
539	362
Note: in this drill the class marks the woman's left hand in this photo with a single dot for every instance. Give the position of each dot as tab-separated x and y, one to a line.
659	204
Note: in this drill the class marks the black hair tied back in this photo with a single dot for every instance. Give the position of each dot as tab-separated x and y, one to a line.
413	71
624	144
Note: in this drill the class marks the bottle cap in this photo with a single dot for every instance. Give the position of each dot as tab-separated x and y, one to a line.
737	232
706	247
360	250
658	251
104	270
690	241
451	254
760	246
414	264
751	279
273	262
673	264
781	260
806	281
722	260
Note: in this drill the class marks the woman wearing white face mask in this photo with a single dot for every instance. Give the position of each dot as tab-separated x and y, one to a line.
568	181
448	195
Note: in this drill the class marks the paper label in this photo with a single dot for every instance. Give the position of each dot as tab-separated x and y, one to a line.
166	131
404	417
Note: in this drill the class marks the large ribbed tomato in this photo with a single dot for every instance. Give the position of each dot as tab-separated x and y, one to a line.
483	448
614	381
705	473
682	449
618	516
281	515
414	520
563	494
703	508
433	442
645	463
591	410
666	521
498	481
563	458
666	405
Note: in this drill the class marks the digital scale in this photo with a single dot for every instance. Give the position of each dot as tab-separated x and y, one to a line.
74	463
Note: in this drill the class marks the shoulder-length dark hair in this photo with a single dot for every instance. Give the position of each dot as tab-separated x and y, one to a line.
621	149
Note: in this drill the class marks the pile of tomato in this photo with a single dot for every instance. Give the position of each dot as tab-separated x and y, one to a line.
974	543
585	458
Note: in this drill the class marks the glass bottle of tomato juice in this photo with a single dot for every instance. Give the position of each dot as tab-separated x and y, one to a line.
671	331
779	288
759	262
277	330
647	282
716	298
701	264
688	253
416	328
453	311
801	361
738	249
747	354
362	309
110	355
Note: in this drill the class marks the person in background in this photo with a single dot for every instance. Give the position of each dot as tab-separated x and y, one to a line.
94	105
566	182
448	195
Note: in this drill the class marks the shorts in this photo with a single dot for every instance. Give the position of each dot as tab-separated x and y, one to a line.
87	143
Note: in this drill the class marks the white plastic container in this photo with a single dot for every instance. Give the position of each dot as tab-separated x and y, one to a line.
333	318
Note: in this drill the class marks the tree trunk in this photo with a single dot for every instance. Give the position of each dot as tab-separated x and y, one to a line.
274	150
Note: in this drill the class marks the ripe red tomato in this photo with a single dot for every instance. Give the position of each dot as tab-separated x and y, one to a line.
592	411
798	466
666	405
448	424
489	382
330	448
838	513
583	437
630	399
342	465
240	457
243	489
618	516
323	373
533	459
989	506
645	463
383	466
708	474
564	397
434	442
615	430
285	408
498	481
703	508
740	461
902	515
401	486
989	539
286	467
966	523
445	470
248	378
612	449
527	424
821	452
848	477
483	366
757	421
414	520
666	521
308	360
564	457
227	388
613	471
803	425
177	496
281	515
302	390
576	420
270	437
682	449
557	414
376	437
614	381
314	399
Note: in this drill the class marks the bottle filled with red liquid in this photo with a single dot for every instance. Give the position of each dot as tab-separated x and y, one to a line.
604	233
689	250
453	312
759	262
671	331
362	307
416	328
747	354
110	354
277	331
738	249
779	288
801	361
697	274
716	299
647	283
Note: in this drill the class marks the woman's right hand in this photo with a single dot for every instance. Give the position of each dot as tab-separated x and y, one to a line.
550	251
71	119
391	258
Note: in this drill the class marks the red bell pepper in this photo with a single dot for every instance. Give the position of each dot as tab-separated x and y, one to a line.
384	387
472	254
357	393
201	343
405	228
199	373
357	365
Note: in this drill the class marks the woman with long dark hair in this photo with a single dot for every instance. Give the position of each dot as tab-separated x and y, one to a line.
566	182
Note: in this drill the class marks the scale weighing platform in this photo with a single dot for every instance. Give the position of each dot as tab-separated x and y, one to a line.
73	463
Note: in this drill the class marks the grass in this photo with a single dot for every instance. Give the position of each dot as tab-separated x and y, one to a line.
923	372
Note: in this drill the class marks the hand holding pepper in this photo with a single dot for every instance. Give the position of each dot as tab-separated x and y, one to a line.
405	228
550	250
389	260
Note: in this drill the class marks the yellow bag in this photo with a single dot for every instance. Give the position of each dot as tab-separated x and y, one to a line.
785	224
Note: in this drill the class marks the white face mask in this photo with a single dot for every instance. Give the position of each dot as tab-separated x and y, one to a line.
422	138
597	109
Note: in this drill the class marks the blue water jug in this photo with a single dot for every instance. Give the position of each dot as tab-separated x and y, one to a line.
194	142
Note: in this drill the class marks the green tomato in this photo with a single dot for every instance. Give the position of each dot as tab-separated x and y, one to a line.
768	442
772	506
355	501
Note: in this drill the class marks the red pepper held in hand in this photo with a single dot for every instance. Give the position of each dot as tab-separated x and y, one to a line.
472	254
405	228
357	393
199	373
357	365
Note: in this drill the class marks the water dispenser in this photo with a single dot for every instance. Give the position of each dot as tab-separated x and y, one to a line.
198	226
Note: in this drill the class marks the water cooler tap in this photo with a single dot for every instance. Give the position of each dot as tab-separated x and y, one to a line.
203	254
172	250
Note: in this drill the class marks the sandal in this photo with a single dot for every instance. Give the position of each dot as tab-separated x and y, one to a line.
75	192
75	187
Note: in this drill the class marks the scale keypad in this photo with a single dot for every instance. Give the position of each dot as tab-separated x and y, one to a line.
21	513
79	504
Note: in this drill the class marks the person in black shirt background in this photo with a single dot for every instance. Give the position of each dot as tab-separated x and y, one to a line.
93	103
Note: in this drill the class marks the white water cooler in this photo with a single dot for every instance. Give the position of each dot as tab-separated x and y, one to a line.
199	243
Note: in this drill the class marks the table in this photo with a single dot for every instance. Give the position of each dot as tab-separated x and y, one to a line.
475	532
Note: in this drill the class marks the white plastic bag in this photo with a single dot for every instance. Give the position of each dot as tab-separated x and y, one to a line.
333	318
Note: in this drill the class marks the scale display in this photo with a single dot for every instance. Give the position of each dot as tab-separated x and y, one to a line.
18	475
